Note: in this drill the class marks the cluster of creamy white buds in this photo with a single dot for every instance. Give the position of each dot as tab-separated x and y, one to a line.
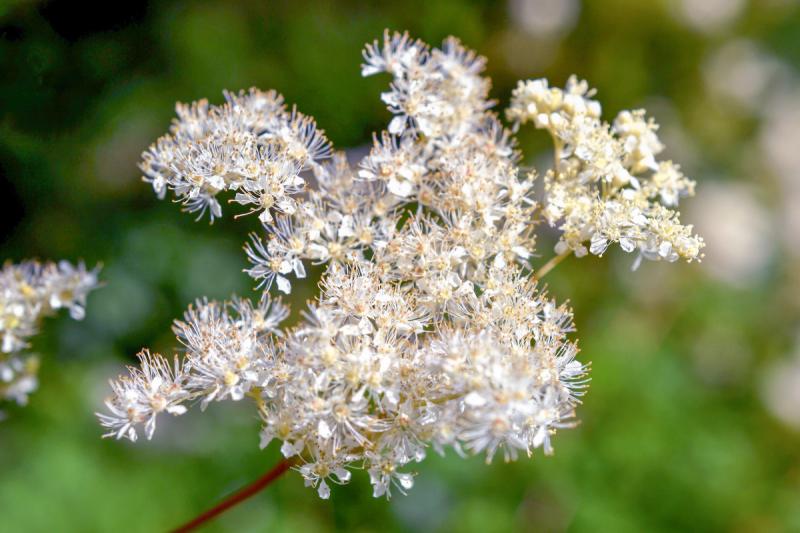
429	331
29	292
606	185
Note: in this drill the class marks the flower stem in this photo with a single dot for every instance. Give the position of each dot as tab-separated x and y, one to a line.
550	265
237	497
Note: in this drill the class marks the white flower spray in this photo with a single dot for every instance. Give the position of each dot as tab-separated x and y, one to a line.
29	292
429	331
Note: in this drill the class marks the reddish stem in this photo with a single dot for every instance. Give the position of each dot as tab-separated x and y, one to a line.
237	497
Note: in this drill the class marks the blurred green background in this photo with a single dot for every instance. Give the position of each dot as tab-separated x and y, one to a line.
692	421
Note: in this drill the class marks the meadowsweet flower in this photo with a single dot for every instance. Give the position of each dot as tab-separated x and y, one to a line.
29	292
607	185
430	331
252	144
152	388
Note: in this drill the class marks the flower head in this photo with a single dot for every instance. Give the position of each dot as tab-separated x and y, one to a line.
29	292
430	331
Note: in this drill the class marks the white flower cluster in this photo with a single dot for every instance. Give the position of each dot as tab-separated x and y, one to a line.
252	145
30	291
429	331
607	185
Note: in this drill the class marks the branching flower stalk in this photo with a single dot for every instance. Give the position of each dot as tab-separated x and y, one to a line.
29	292
430	331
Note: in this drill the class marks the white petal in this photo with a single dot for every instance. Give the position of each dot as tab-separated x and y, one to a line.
397	125
324	491
265	217
299	269
176	409
283	284
324	429
473	399
287	449
400	188
285	267
406	480
342	474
